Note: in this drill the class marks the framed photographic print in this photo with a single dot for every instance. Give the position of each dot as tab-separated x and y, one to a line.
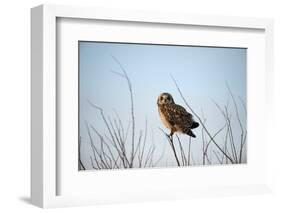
132	106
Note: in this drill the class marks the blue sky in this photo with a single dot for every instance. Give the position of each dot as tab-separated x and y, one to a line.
201	73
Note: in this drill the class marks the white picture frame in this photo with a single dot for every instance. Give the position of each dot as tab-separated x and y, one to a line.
45	178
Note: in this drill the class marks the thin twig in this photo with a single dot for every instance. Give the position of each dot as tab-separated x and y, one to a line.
201	122
125	75
170	139
189	151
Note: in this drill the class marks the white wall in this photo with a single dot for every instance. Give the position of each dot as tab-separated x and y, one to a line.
15	98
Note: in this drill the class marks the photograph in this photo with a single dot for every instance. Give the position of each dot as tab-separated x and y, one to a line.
145	105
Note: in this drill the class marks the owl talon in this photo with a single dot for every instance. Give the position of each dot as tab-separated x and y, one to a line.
171	134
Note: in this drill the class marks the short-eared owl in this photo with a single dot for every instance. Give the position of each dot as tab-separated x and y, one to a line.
174	116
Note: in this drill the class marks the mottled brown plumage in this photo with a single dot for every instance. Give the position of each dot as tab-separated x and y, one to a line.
175	117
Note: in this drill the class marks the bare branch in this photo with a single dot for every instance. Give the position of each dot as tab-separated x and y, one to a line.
200	120
170	139
125	75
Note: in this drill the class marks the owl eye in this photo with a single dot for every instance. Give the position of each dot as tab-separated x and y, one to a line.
161	98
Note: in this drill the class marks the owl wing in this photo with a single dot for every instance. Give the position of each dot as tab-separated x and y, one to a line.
177	115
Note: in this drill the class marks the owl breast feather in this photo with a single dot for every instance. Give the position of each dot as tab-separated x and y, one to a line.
164	117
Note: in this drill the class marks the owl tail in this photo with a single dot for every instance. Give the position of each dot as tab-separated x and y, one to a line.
189	132
194	125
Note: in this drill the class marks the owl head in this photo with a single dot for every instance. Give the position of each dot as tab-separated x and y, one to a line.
165	98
